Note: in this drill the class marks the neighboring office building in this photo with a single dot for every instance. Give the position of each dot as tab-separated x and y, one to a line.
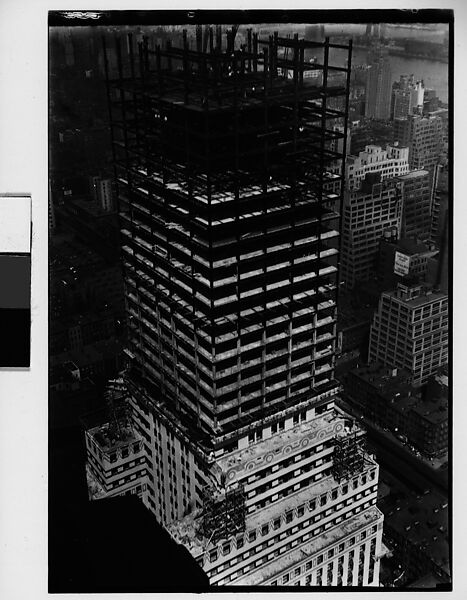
378	86
367	213
407	97
424	138
97	228
93	327
98	361
231	274
52	219
417	193
416	529
431	102
82	281
410	331
440	203
400	260
103	191
353	332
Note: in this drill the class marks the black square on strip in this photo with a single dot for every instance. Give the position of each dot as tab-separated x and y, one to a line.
15	328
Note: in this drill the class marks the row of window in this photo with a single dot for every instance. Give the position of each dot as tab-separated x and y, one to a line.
298	570
288	517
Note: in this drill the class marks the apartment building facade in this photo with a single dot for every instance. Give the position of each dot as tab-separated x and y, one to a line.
424	138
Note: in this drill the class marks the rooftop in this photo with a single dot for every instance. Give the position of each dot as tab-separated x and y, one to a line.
397	389
425	296
414	174
411	246
109	440
389	382
423	520
434	410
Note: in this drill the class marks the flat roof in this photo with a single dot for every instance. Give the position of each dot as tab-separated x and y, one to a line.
106	442
411	246
434	410
424	298
381	377
414	174
424	521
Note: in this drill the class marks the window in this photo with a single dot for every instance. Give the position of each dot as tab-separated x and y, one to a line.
251	536
226	548
285	578
213	555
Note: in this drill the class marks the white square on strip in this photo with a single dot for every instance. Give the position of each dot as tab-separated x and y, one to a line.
15	224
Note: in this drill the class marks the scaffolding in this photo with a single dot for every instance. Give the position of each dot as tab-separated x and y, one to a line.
349	455
116	399
223	513
224	152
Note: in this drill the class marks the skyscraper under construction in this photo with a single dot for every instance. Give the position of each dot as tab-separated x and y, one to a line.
226	167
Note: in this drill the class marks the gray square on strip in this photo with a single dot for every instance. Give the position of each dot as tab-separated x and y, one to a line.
15	224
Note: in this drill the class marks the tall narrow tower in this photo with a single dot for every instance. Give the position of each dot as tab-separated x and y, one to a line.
378	85
230	251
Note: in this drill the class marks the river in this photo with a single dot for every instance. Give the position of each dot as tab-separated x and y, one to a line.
433	73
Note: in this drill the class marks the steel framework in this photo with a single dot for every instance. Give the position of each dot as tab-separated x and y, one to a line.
224	156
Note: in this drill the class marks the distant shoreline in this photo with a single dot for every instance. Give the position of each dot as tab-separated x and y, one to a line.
405	54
